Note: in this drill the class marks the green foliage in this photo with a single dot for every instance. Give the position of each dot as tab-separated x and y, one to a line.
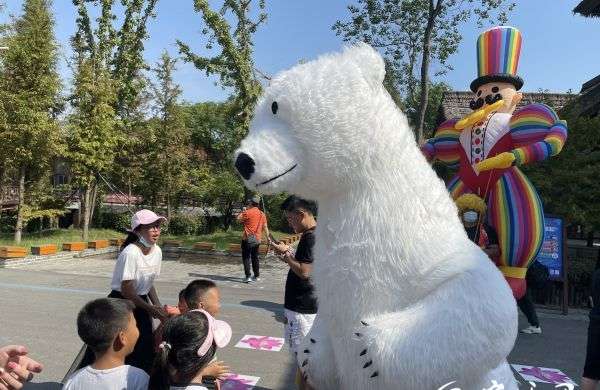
435	96
29	99
234	64
579	164
166	173
184	225
275	217
412	33
213	134
93	134
114	221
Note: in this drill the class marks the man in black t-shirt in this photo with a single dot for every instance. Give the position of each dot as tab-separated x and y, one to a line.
300	304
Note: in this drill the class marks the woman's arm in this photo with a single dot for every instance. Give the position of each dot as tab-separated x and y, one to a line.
152	294
128	291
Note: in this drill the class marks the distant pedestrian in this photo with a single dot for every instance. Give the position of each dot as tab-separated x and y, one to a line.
255	222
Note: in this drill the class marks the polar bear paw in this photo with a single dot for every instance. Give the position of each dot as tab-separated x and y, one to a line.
365	361
305	363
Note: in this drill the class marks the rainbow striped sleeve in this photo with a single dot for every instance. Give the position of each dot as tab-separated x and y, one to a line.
537	133
445	144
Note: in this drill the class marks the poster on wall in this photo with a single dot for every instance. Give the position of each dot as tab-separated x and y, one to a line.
551	252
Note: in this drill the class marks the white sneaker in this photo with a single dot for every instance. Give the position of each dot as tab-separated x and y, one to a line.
248	280
532	330
255	279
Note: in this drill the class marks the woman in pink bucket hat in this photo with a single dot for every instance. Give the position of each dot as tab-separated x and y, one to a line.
137	266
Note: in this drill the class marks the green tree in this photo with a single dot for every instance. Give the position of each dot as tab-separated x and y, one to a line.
92	135
578	162
108	93
412	106
414	33
29	86
169	161
234	64
213	132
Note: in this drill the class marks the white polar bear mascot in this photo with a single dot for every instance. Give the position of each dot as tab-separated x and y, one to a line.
406	301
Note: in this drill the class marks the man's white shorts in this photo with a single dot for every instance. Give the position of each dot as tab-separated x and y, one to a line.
296	327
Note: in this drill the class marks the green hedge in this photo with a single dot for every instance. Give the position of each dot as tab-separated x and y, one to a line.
115	221
185	225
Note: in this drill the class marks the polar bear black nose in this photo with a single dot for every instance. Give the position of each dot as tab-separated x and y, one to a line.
245	165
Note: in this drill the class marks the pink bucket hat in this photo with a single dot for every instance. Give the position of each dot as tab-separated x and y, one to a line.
145	217
218	331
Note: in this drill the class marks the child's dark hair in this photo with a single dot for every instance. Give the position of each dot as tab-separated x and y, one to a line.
182	337
100	320
195	290
181	294
294	203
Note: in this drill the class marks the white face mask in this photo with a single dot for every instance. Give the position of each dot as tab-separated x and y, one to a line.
470	216
145	243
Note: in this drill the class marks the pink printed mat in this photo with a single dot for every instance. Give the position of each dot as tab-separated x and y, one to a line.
239	382
544	375
261	343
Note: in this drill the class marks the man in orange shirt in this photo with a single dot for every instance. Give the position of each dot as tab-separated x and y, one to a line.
255	222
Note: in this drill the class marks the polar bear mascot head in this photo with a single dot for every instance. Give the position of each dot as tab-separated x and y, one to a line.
318	130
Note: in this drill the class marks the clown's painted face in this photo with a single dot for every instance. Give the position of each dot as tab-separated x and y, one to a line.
490	93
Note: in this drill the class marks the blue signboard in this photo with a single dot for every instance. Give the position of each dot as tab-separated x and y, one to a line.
551	252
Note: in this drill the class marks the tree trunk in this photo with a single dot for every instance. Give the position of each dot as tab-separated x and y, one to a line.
93	203
169	208
433	13
86	208
19	225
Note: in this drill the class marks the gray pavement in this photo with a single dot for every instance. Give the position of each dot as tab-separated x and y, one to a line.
40	302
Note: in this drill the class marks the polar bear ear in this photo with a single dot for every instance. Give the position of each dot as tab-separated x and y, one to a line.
369	61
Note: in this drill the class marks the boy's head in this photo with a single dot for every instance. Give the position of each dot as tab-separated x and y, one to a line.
203	294
108	324
300	213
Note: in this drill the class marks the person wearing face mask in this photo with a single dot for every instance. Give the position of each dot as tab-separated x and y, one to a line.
471	210
133	277
137	266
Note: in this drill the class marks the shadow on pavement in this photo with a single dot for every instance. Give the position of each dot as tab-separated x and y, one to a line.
219	278
275	308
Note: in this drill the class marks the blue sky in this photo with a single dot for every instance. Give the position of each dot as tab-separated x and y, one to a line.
560	50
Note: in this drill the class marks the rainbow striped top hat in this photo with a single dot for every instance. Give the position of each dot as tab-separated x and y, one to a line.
498	51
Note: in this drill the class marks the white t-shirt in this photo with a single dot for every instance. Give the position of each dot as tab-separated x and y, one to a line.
189	387
132	264
119	378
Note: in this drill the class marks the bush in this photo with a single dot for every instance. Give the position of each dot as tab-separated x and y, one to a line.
187	225
115	221
7	222
275	218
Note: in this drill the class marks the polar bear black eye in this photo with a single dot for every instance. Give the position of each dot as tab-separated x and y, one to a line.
274	108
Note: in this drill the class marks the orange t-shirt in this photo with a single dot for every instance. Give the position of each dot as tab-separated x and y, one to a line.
253	220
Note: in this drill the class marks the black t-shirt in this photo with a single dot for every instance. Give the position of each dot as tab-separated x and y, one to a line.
299	293
472	231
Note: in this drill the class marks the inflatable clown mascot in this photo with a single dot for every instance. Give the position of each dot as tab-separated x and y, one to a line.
490	144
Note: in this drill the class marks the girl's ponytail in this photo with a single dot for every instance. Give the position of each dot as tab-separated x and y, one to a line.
160	379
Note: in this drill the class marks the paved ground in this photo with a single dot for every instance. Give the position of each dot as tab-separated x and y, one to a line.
40	302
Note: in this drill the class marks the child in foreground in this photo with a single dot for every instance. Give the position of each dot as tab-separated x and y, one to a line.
108	327
189	345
